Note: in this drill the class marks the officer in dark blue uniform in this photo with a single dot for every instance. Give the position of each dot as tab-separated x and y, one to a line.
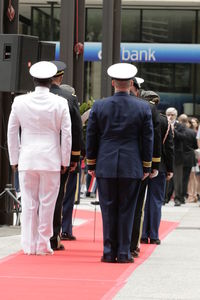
139	211
156	186
119	151
72	100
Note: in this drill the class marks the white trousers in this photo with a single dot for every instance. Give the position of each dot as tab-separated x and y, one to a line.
39	191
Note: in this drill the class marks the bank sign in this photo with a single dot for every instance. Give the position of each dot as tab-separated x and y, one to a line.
140	52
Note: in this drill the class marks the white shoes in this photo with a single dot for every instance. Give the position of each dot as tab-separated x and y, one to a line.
50	252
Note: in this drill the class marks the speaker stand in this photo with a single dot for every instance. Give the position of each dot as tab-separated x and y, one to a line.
8	191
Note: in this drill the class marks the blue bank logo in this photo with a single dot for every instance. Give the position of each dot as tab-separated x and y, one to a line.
147	55
140	52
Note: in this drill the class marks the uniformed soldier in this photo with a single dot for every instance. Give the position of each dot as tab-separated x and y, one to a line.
64	92
156	186
43	117
139	211
119	151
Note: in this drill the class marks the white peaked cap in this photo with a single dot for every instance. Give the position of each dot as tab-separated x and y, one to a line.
43	70
139	80
122	71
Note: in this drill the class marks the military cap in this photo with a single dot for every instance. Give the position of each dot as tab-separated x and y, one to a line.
43	70
150	96
122	71
68	88
139	81
61	66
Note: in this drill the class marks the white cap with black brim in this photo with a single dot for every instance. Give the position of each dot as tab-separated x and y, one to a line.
122	71
43	70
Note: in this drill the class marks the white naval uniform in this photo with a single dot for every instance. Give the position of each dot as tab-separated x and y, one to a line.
45	146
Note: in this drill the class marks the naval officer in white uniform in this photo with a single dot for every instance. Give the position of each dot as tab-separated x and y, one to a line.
44	150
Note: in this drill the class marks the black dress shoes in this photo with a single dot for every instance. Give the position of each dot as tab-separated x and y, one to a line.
177	203
95	202
134	253
144	241
67	237
166	201
155	241
108	259
59	247
55	243
123	259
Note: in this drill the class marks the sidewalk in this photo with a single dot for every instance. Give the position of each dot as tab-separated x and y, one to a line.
172	272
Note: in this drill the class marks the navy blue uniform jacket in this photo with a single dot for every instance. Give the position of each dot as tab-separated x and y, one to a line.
120	137
75	119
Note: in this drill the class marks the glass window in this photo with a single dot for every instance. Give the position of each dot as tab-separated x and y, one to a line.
130	25
93	25
198	25
168	26
168	77
197	100
24	19
24	25
197	79
173	82
41	20
36	20
92	80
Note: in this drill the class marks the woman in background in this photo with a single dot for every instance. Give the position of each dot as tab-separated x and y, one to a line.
193	194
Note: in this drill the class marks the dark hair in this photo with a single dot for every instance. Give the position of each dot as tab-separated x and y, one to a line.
192	125
42	82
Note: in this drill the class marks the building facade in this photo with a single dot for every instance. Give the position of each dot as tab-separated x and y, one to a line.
160	37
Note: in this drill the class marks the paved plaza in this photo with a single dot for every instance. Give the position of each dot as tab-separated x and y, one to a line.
172	272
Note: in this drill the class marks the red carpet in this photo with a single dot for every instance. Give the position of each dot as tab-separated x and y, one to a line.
75	273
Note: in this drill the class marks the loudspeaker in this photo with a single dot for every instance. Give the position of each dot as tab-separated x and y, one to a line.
46	51
17	54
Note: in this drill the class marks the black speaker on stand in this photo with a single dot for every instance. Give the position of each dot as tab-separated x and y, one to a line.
46	51
17	54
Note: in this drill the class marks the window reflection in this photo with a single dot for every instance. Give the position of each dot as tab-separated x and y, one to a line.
173	82
130	25
93	25
168	26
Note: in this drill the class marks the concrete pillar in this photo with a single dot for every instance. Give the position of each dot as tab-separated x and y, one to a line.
72	30
78	58
67	38
111	31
